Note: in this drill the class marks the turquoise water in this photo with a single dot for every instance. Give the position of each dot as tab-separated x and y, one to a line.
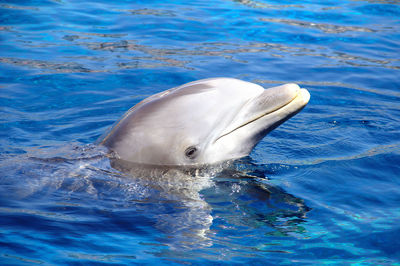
322	188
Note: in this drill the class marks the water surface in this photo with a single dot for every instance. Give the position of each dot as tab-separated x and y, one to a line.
322	188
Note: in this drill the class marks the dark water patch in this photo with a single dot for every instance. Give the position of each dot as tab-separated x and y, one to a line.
378	10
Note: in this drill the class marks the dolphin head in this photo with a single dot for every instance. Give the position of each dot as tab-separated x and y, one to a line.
202	122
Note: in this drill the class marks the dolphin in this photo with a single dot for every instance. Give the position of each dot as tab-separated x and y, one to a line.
203	122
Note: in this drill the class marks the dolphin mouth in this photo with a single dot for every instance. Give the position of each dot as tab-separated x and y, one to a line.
293	100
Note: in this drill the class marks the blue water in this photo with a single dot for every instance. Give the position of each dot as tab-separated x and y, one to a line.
322	188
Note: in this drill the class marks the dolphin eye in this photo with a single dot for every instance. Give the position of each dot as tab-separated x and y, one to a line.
191	152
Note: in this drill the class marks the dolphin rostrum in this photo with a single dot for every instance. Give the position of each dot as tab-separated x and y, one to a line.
202	122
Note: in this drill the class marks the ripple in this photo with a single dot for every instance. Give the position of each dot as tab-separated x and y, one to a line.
326	28
150	12
66	67
162	56
258	4
19	7
100	257
392	2
375	151
50	215
102	35
22	259
155	57
5	28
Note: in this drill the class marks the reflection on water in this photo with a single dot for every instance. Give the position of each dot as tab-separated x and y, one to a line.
150	12
48	67
190	207
273	37
171	57
19	7
259	4
327	28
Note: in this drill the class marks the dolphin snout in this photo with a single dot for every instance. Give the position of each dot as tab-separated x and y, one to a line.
288	98
305	95
272	99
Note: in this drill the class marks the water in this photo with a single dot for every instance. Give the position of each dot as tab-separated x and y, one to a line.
322	188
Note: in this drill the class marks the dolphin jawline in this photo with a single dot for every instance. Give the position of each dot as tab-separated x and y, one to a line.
303	93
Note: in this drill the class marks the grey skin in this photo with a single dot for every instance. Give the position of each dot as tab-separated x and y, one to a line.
202	122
